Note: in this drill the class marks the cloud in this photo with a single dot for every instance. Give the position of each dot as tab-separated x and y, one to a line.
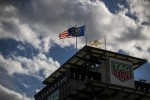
140	9
20	47
39	23
20	73
21	83
40	64
25	85
7	94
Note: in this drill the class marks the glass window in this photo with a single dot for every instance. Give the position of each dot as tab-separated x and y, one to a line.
54	96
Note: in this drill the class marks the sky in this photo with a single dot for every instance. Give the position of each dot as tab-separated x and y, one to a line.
30	49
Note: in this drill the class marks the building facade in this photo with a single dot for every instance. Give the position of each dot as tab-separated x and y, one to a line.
95	74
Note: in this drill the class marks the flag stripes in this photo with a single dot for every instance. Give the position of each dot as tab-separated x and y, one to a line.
72	32
65	35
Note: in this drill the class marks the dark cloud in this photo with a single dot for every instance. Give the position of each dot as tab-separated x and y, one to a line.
138	48
146	23
21	18
9	27
132	34
48	13
148	50
28	19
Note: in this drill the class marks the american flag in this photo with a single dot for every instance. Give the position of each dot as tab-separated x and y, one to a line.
65	35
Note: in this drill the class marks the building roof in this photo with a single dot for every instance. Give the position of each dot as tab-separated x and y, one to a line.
90	55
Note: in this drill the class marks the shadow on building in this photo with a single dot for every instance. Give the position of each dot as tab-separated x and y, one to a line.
96	74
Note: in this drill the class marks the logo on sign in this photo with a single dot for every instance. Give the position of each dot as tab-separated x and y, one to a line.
121	71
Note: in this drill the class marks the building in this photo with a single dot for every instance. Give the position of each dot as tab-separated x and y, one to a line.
96	74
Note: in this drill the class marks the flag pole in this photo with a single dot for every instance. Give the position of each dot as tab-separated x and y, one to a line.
85	34
76	43
105	42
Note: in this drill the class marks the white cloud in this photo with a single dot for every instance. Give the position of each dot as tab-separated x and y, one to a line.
20	47
7	94
37	90
10	65
23	65
25	85
48	18
141	9
46	43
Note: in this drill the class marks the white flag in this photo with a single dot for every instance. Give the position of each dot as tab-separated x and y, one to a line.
97	43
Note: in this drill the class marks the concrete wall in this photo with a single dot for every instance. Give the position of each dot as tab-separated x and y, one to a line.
104	70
